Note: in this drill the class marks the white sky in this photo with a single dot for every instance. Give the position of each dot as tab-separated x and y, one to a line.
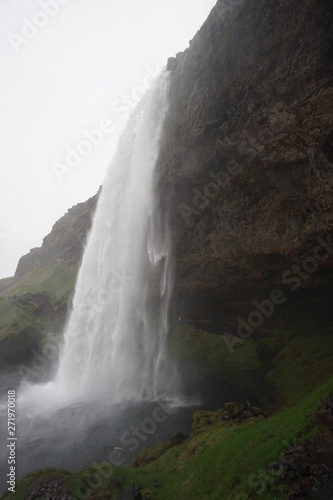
82	64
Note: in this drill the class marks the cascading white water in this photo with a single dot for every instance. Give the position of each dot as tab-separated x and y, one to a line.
113	372
114	340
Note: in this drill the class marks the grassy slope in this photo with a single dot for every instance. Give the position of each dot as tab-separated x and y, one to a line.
300	366
8	313
221	462
199	346
54	280
35	306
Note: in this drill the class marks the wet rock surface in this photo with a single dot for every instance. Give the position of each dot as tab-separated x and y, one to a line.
178	438
239	412
133	493
230	413
49	489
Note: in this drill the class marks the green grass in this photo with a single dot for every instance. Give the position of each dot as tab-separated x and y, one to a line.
54	280
300	366
220	462
277	369
210	352
36	306
8	312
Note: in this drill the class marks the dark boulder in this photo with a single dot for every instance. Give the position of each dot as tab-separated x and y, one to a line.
178	438
132	493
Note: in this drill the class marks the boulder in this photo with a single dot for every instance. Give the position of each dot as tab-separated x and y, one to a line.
178	438
132	493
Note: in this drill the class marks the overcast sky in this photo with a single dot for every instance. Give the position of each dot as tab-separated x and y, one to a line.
69	67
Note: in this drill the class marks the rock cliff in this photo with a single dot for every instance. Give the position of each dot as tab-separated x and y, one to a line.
246	163
245	168
65	242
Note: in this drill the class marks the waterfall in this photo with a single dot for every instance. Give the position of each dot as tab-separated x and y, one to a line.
114	340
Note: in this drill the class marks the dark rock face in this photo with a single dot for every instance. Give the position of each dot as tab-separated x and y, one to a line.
245	169
172	63
65	242
49	488
246	163
178	438
132	493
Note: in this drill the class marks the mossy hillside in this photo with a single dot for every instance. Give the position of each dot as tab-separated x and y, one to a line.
220	462
230	413
302	364
41	290
32	309
55	280
8	313
210	353
283	365
23	336
25	484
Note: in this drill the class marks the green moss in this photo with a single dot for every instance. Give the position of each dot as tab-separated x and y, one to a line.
151	453
211	354
201	419
289	362
300	366
55	280
8	312
37	305
25	484
220	462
